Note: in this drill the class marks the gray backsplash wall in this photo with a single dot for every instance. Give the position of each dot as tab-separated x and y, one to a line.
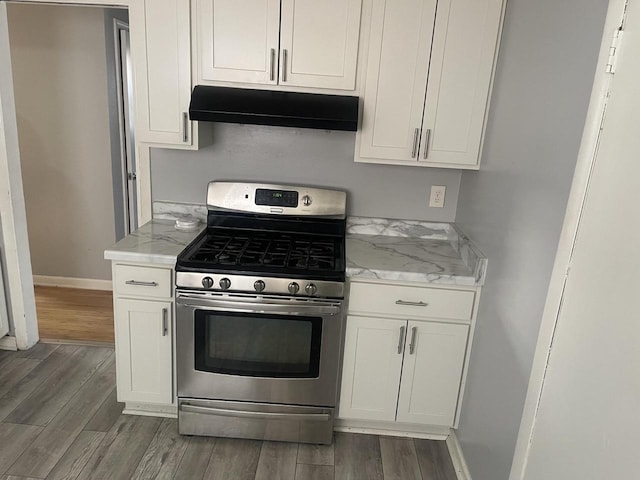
302	156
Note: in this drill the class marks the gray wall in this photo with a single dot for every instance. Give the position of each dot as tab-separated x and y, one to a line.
302	156
60	81
514	208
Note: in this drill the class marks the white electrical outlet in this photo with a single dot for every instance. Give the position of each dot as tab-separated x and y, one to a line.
437	196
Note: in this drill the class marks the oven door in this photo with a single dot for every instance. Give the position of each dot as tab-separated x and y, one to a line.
258	349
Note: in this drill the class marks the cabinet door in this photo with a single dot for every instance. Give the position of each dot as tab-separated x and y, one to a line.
238	40
319	43
464	47
371	370
161	52
143	351
396	78
431	373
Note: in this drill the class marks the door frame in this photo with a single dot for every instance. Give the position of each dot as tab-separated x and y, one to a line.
586	158
13	221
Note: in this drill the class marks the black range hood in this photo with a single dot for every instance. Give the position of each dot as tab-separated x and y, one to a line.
267	107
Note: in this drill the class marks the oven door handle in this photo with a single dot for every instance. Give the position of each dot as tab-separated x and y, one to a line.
258	307
225	412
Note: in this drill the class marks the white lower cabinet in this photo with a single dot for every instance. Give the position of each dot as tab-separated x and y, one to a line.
402	371
143	320
432	370
405	355
143	350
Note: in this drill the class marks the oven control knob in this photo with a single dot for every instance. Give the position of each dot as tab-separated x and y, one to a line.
306	200
310	289
259	285
294	288
207	282
225	283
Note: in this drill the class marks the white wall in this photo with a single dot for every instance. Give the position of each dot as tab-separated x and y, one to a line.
514	208
587	425
60	81
307	157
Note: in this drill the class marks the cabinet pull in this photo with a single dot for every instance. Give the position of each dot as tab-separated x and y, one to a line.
412	345
185	127
427	137
416	137
165	323
401	340
141	284
272	66
284	65
411	304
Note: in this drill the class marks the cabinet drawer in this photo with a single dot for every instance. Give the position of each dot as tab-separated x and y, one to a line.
411	301
142	281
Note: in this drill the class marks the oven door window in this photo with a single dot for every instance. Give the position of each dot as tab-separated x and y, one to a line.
257	345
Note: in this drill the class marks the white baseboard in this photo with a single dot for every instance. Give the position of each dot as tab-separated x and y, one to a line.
150	410
8	343
70	282
392	429
457	457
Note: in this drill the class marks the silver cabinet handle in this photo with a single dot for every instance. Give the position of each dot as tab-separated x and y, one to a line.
165	321
284	65
412	345
427	137
416	137
401	340
272	66
141	284
185	127
411	304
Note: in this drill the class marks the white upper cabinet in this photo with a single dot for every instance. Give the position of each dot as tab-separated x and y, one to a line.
396	76
238	40
161	53
427	81
297	43
319	43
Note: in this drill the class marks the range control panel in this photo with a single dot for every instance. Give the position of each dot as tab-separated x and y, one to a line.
276	198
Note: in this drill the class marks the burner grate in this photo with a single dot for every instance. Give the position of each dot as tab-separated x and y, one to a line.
262	249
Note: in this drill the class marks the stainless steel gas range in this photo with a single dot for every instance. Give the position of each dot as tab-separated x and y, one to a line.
260	314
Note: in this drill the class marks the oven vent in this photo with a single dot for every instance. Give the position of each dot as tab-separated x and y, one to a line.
268	107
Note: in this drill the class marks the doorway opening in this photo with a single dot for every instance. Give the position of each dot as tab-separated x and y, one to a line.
74	105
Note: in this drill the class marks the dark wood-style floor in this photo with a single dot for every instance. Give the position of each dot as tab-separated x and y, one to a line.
73	314
59	419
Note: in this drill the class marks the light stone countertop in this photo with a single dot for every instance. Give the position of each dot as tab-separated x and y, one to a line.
155	242
412	251
383	249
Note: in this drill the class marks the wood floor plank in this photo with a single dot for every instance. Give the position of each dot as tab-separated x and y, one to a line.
45	452
357	457
39	351
74	314
434	460
399	460
314	472
277	460
122	448
49	398
58	360
165	451
14	439
14	370
195	460
107	414
315	454
12	477
233	458
76	456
